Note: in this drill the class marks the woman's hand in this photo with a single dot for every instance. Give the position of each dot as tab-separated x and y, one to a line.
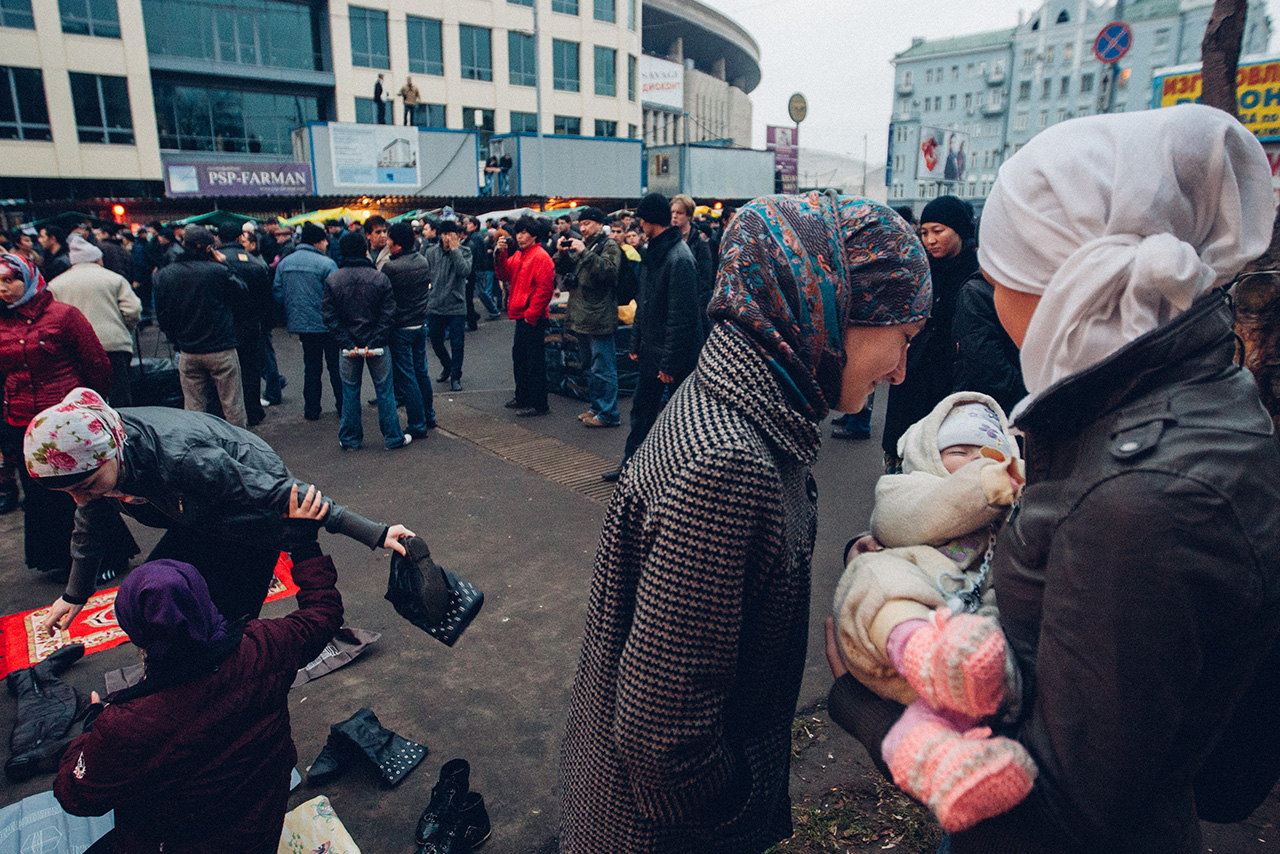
833	651
60	615
394	533
313	505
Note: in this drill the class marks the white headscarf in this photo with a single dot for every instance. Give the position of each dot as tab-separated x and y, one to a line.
1119	222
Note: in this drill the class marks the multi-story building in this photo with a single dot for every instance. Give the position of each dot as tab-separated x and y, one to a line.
102	92
965	104
721	65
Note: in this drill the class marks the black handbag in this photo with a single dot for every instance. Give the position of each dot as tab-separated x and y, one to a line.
153	380
429	596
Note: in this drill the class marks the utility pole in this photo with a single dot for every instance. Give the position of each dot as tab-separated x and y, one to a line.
864	165
537	88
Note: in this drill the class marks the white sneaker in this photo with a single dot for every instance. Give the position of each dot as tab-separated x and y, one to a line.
264	402
407	440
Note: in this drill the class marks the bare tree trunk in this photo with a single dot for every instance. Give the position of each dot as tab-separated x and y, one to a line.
1220	54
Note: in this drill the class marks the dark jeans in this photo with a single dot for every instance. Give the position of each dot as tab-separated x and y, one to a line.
412	378
856	422
529	363
121	394
455	326
238	573
270	369
478	286
249	350
646	403
317	349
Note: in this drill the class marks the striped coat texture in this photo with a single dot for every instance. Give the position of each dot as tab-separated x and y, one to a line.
679	726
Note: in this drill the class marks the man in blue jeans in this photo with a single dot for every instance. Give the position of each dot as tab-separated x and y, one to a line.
589	269
359	308
449	267
410	284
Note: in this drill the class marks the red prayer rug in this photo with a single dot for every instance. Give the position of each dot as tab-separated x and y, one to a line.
95	626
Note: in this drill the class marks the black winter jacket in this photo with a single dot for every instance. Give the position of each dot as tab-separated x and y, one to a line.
410	278
196	470
1139	588
195	297
358	307
667	335
701	250
256	275
987	360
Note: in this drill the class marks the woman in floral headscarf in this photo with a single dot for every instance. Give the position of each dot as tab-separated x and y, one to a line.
679	727
47	348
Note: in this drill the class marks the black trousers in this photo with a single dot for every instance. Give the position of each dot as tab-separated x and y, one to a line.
646	403
238	574
121	394
317	348
529	363
249	350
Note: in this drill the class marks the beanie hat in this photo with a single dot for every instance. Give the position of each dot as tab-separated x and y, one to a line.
955	213
312	234
353	245
81	251
974	424
198	238
591	213
655	208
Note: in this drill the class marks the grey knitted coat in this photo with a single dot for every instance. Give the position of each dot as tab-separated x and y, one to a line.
679	726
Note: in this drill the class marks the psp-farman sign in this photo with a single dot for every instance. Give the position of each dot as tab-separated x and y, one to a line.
242	179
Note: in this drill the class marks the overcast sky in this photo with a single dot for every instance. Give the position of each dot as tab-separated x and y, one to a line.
837	52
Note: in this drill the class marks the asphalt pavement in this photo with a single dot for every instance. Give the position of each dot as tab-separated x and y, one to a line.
513	505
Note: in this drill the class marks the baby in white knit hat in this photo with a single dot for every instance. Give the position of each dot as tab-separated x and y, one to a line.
916	620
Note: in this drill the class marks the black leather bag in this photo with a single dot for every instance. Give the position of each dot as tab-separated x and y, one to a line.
429	596
153	380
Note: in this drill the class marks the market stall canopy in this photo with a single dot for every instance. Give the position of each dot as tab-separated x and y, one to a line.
68	220
213	219
319	217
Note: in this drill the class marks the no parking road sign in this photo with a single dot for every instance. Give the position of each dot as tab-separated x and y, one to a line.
1113	42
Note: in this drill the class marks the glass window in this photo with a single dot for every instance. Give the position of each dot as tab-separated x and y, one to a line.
1048	55
1068	51
632	130
23	110
1020	123
476	53
1044	119
1064	86
521	2
564	65
522	56
17	13
271	33
101	106
366	111
606	11
426	46
369	38
1024	90
1086	83
632	74
928	75
192	118
1028	57
568	125
1046	88
951	102
90	17
568	7
431	116
631	14
606	128
524	122
606	67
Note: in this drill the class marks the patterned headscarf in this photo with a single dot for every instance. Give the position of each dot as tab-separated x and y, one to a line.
21	268
74	437
165	608
796	271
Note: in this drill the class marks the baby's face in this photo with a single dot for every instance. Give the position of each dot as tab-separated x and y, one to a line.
955	457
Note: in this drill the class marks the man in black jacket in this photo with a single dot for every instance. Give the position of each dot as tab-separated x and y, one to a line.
666	336
53	245
359	309
410	283
238	247
194	299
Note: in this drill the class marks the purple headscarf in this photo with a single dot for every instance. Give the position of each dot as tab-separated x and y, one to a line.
164	608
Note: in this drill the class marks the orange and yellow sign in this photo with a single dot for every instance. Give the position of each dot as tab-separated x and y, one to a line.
1257	90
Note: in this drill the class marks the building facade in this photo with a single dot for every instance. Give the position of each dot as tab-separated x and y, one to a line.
102	93
965	104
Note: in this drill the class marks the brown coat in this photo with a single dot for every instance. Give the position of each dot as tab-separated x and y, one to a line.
679	727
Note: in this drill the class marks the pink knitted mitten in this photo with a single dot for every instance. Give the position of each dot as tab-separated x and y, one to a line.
954	662
962	778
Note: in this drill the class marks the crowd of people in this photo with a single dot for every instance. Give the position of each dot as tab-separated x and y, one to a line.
1069	436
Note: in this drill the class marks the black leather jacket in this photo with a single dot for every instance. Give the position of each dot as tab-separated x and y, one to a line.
195	297
1139	588
358	306
667	335
411	283
196	470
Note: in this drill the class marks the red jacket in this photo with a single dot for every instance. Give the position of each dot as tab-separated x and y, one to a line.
47	348
204	765
532	275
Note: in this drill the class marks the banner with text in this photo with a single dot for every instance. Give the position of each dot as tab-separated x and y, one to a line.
784	142
374	155
1257	91
661	83
254	178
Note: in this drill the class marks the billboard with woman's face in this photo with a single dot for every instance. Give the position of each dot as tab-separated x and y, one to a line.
942	155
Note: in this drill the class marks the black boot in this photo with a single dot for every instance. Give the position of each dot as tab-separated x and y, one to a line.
394	755
455	778
465	827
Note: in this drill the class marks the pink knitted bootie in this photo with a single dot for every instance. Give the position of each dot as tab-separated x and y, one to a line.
956	663
963	778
